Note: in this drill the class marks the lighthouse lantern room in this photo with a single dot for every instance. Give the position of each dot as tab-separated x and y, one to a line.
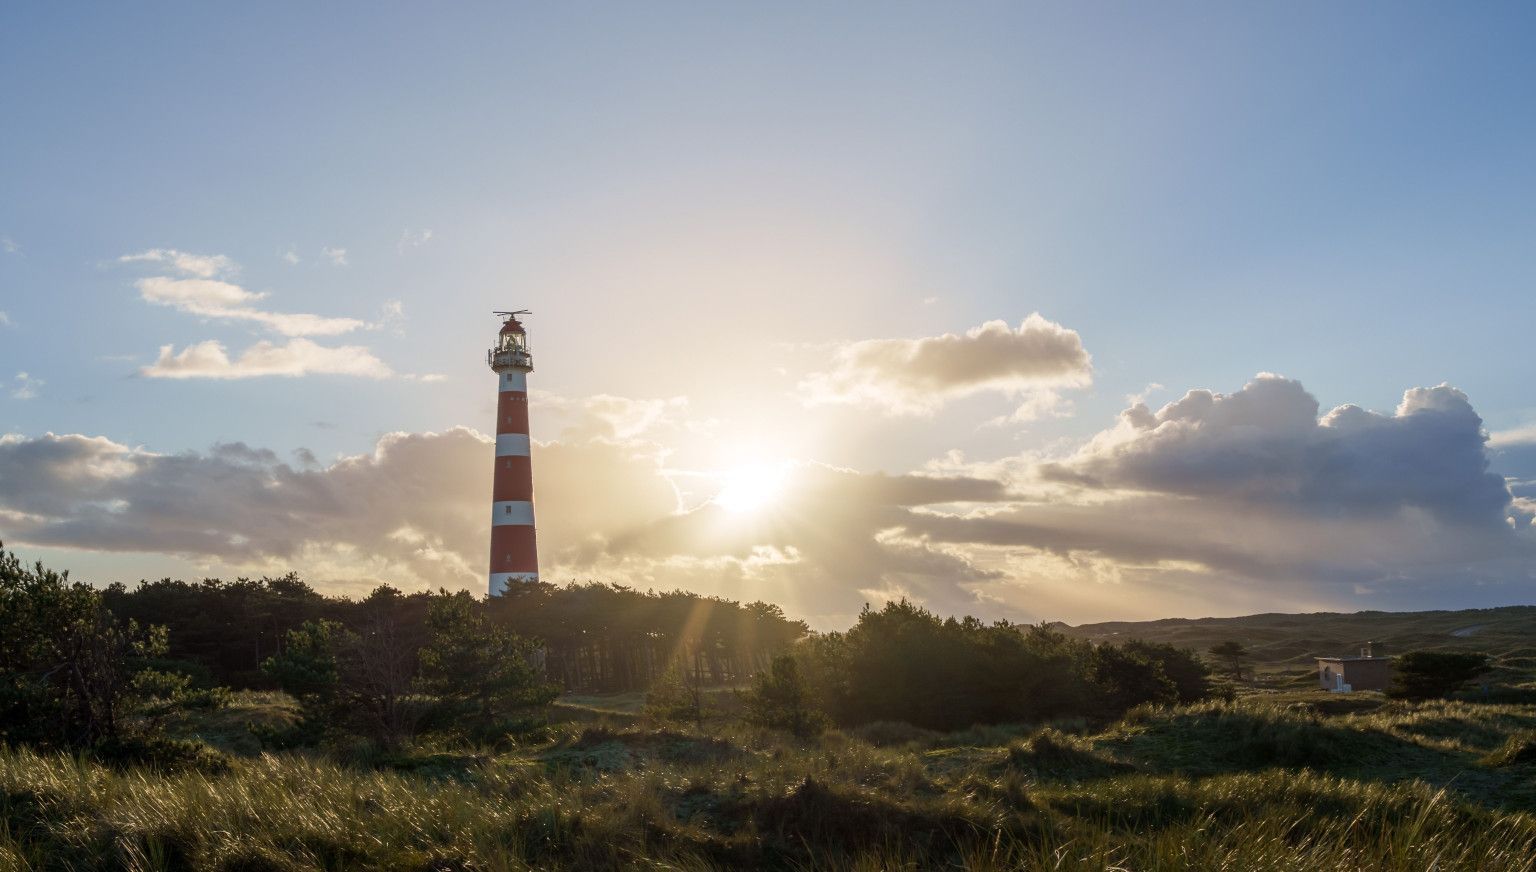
514	554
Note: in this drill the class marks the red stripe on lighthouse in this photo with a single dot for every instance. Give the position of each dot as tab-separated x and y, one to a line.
514	549
514	479
512	412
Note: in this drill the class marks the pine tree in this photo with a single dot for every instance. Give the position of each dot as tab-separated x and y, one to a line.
780	699
484	674
1233	653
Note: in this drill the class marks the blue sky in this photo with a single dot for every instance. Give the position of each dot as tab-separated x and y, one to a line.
708	202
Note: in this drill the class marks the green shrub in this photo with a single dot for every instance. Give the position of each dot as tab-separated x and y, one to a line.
161	754
481	673
780	699
678	695
1431	674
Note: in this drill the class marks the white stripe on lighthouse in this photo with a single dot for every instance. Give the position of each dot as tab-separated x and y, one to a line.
511	444
515	512
514	381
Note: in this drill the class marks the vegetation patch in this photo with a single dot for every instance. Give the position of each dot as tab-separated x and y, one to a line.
161	754
609	750
1223	737
888	734
1518	750
1053	754
412	733
814	815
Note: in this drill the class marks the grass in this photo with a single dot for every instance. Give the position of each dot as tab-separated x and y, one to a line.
1262	783
229	729
1283	647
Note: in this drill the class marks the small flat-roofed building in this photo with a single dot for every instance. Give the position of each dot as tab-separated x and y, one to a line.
1345	674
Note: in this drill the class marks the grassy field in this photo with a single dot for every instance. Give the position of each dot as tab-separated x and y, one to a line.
1270	781
1283	646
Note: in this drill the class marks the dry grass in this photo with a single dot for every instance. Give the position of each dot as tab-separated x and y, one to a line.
1402	787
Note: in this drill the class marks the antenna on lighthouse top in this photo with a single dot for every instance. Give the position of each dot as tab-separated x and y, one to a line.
513	314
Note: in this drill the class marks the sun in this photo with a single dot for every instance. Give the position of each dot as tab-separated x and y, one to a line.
750	488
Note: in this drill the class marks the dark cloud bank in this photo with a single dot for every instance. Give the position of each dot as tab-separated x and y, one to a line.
1246	501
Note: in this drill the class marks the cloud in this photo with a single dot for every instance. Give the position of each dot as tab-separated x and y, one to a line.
297	357
1214	504
414	238
604	416
1255	499
9	245
5	320
400	509
391	317
204	266
338	256
217	299
1513	455
1266	445
1518	436
413	512
25	386
918	376
209	297
1038	404
290	256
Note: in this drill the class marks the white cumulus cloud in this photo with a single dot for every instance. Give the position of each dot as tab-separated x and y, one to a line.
211	298
297	357
918	376
204	266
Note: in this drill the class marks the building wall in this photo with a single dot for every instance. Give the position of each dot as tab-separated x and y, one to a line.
1374	674
1368	674
1325	672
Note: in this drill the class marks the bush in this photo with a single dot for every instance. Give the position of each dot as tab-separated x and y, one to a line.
902	663
1190	675
162	755
71	674
1434	674
678	695
359	682
481	673
780	699
1126	678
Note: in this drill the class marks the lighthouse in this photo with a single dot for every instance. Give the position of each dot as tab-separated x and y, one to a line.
514	554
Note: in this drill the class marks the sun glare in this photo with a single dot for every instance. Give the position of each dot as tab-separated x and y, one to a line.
750	488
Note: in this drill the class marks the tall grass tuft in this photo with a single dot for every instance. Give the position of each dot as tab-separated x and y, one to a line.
732	797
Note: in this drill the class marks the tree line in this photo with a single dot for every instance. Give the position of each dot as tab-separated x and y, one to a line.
593	637
82	667
903	663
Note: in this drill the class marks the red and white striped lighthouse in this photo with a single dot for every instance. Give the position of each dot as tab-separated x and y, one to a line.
514	554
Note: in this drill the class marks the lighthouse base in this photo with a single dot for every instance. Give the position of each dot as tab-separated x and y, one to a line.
500	581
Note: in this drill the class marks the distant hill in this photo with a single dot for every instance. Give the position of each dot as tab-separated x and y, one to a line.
1291	641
